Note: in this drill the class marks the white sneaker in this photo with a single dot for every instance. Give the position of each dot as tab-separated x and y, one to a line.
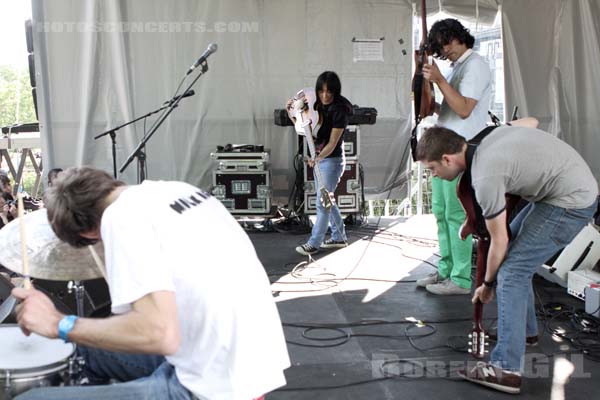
446	287
429	279
333	244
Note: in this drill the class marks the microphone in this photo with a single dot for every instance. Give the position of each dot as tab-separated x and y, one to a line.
186	94
209	50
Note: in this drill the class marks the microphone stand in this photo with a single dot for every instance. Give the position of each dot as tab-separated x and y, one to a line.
113	132
138	152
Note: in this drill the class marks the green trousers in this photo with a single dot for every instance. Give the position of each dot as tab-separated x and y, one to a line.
455	253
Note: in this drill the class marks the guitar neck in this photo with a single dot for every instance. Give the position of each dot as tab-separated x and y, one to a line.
424	22
313	153
478	350
483	246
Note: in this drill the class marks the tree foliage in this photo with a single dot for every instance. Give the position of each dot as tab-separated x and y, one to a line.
14	83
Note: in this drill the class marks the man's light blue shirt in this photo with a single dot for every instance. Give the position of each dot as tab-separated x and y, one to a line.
470	75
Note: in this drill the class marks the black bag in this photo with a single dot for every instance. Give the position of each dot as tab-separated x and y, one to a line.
281	118
360	116
363	116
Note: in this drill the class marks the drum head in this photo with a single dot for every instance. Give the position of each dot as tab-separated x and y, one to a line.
20	352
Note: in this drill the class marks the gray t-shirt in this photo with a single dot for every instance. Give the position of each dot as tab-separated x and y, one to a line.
532	164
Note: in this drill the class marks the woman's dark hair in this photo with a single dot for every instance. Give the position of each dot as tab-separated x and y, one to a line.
442	33
334	85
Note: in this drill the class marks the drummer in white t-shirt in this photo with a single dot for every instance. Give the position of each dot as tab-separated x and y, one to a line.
194	315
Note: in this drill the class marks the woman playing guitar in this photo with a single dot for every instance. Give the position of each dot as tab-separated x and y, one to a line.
334	110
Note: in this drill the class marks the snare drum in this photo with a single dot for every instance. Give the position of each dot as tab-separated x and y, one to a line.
31	361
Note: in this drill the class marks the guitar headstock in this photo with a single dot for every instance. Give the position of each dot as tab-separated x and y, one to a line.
304	111
327	198
478	342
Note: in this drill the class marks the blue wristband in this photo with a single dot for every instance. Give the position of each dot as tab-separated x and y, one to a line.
65	326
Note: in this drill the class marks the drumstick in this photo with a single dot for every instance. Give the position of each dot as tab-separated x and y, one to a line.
25	270
98	261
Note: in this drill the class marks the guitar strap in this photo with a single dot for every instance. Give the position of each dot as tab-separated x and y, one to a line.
471	148
474	143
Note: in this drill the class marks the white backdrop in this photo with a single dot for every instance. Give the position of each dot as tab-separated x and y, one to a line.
92	79
552	68
96	76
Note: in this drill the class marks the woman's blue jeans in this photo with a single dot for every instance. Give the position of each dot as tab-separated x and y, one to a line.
331	171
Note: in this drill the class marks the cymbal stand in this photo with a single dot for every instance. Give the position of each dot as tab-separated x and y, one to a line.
76	362
79	289
75	370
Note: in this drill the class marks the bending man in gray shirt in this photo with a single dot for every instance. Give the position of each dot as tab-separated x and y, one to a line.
563	194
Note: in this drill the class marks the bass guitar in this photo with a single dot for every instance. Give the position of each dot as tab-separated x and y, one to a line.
475	225
422	89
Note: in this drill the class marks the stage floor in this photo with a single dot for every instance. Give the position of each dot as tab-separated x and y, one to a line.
370	285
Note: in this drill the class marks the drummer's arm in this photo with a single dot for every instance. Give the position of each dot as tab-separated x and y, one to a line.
150	327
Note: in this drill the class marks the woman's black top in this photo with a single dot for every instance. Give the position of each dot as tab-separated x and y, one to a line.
335	115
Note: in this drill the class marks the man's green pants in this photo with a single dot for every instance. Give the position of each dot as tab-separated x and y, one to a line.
455	253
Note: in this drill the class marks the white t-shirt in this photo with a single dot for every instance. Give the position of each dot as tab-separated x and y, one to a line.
471	77
172	236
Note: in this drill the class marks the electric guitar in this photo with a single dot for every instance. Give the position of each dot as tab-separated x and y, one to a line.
475	225
307	124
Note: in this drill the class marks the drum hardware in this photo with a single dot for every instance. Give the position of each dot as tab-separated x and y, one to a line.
75	370
79	289
94	296
68	373
34	361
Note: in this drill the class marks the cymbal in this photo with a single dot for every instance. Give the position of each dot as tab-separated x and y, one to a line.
49	257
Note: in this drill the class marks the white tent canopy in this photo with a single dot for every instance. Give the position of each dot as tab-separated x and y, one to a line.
101	64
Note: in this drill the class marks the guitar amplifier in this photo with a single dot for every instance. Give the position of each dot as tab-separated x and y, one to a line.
242	165
241	151
240	161
243	192
347	193
581	254
351	143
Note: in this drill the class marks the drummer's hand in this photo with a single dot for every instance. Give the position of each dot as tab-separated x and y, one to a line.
36	313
